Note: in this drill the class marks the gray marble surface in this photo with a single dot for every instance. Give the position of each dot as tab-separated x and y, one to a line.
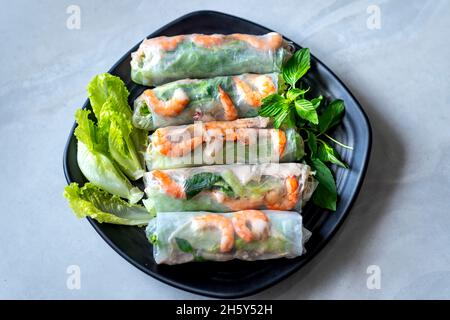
399	73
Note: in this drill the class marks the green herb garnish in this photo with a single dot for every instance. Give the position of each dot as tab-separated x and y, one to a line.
200	181
206	181
184	245
292	108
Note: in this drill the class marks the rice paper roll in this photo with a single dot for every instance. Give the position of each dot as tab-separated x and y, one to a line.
251	141
164	59
227	188
221	98
180	237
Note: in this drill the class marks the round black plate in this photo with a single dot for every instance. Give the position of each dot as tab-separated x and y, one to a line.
237	278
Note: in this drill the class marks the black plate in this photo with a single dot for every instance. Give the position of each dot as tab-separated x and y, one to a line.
235	279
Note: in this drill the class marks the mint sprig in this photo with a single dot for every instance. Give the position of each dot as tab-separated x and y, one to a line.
291	107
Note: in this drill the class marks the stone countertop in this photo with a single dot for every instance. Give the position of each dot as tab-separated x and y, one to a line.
398	69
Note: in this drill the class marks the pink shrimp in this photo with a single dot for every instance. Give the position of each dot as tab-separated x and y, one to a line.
243	203
251	225
270	41
169	186
165	43
207	41
257	122
279	136
221	223
276	200
170	108
161	141
229	110
264	87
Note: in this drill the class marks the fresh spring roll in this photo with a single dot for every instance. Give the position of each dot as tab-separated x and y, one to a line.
180	237
227	188
185	101
164	59
250	140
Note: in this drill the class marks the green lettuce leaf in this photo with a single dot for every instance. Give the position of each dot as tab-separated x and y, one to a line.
105	86
109	96
99	169
120	143
95	162
235	184
88	133
91	201
142	116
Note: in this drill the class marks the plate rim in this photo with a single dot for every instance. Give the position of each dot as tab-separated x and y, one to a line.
312	253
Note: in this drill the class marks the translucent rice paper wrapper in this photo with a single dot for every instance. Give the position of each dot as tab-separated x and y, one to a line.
247	141
164	59
203	100
176	240
227	188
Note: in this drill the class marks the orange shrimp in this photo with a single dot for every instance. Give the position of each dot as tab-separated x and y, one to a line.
219	133
279	136
207	41
256	122
240	130
164	43
246	91
251	225
244	135
264	84
276	200
161	141
229	110
169	186
270	41
169	108
237	204
215	221
264	87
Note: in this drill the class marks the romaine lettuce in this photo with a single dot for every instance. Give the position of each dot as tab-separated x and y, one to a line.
95	162
109	100
121	146
91	201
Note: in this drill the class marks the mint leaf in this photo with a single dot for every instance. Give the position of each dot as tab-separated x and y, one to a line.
325	196
281	116
200	181
276	107
272	105
294	93
271	99
312	144
331	116
296	67
326	153
184	245
305	110
316	101
290	120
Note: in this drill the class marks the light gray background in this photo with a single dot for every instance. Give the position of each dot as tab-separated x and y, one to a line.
399	73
